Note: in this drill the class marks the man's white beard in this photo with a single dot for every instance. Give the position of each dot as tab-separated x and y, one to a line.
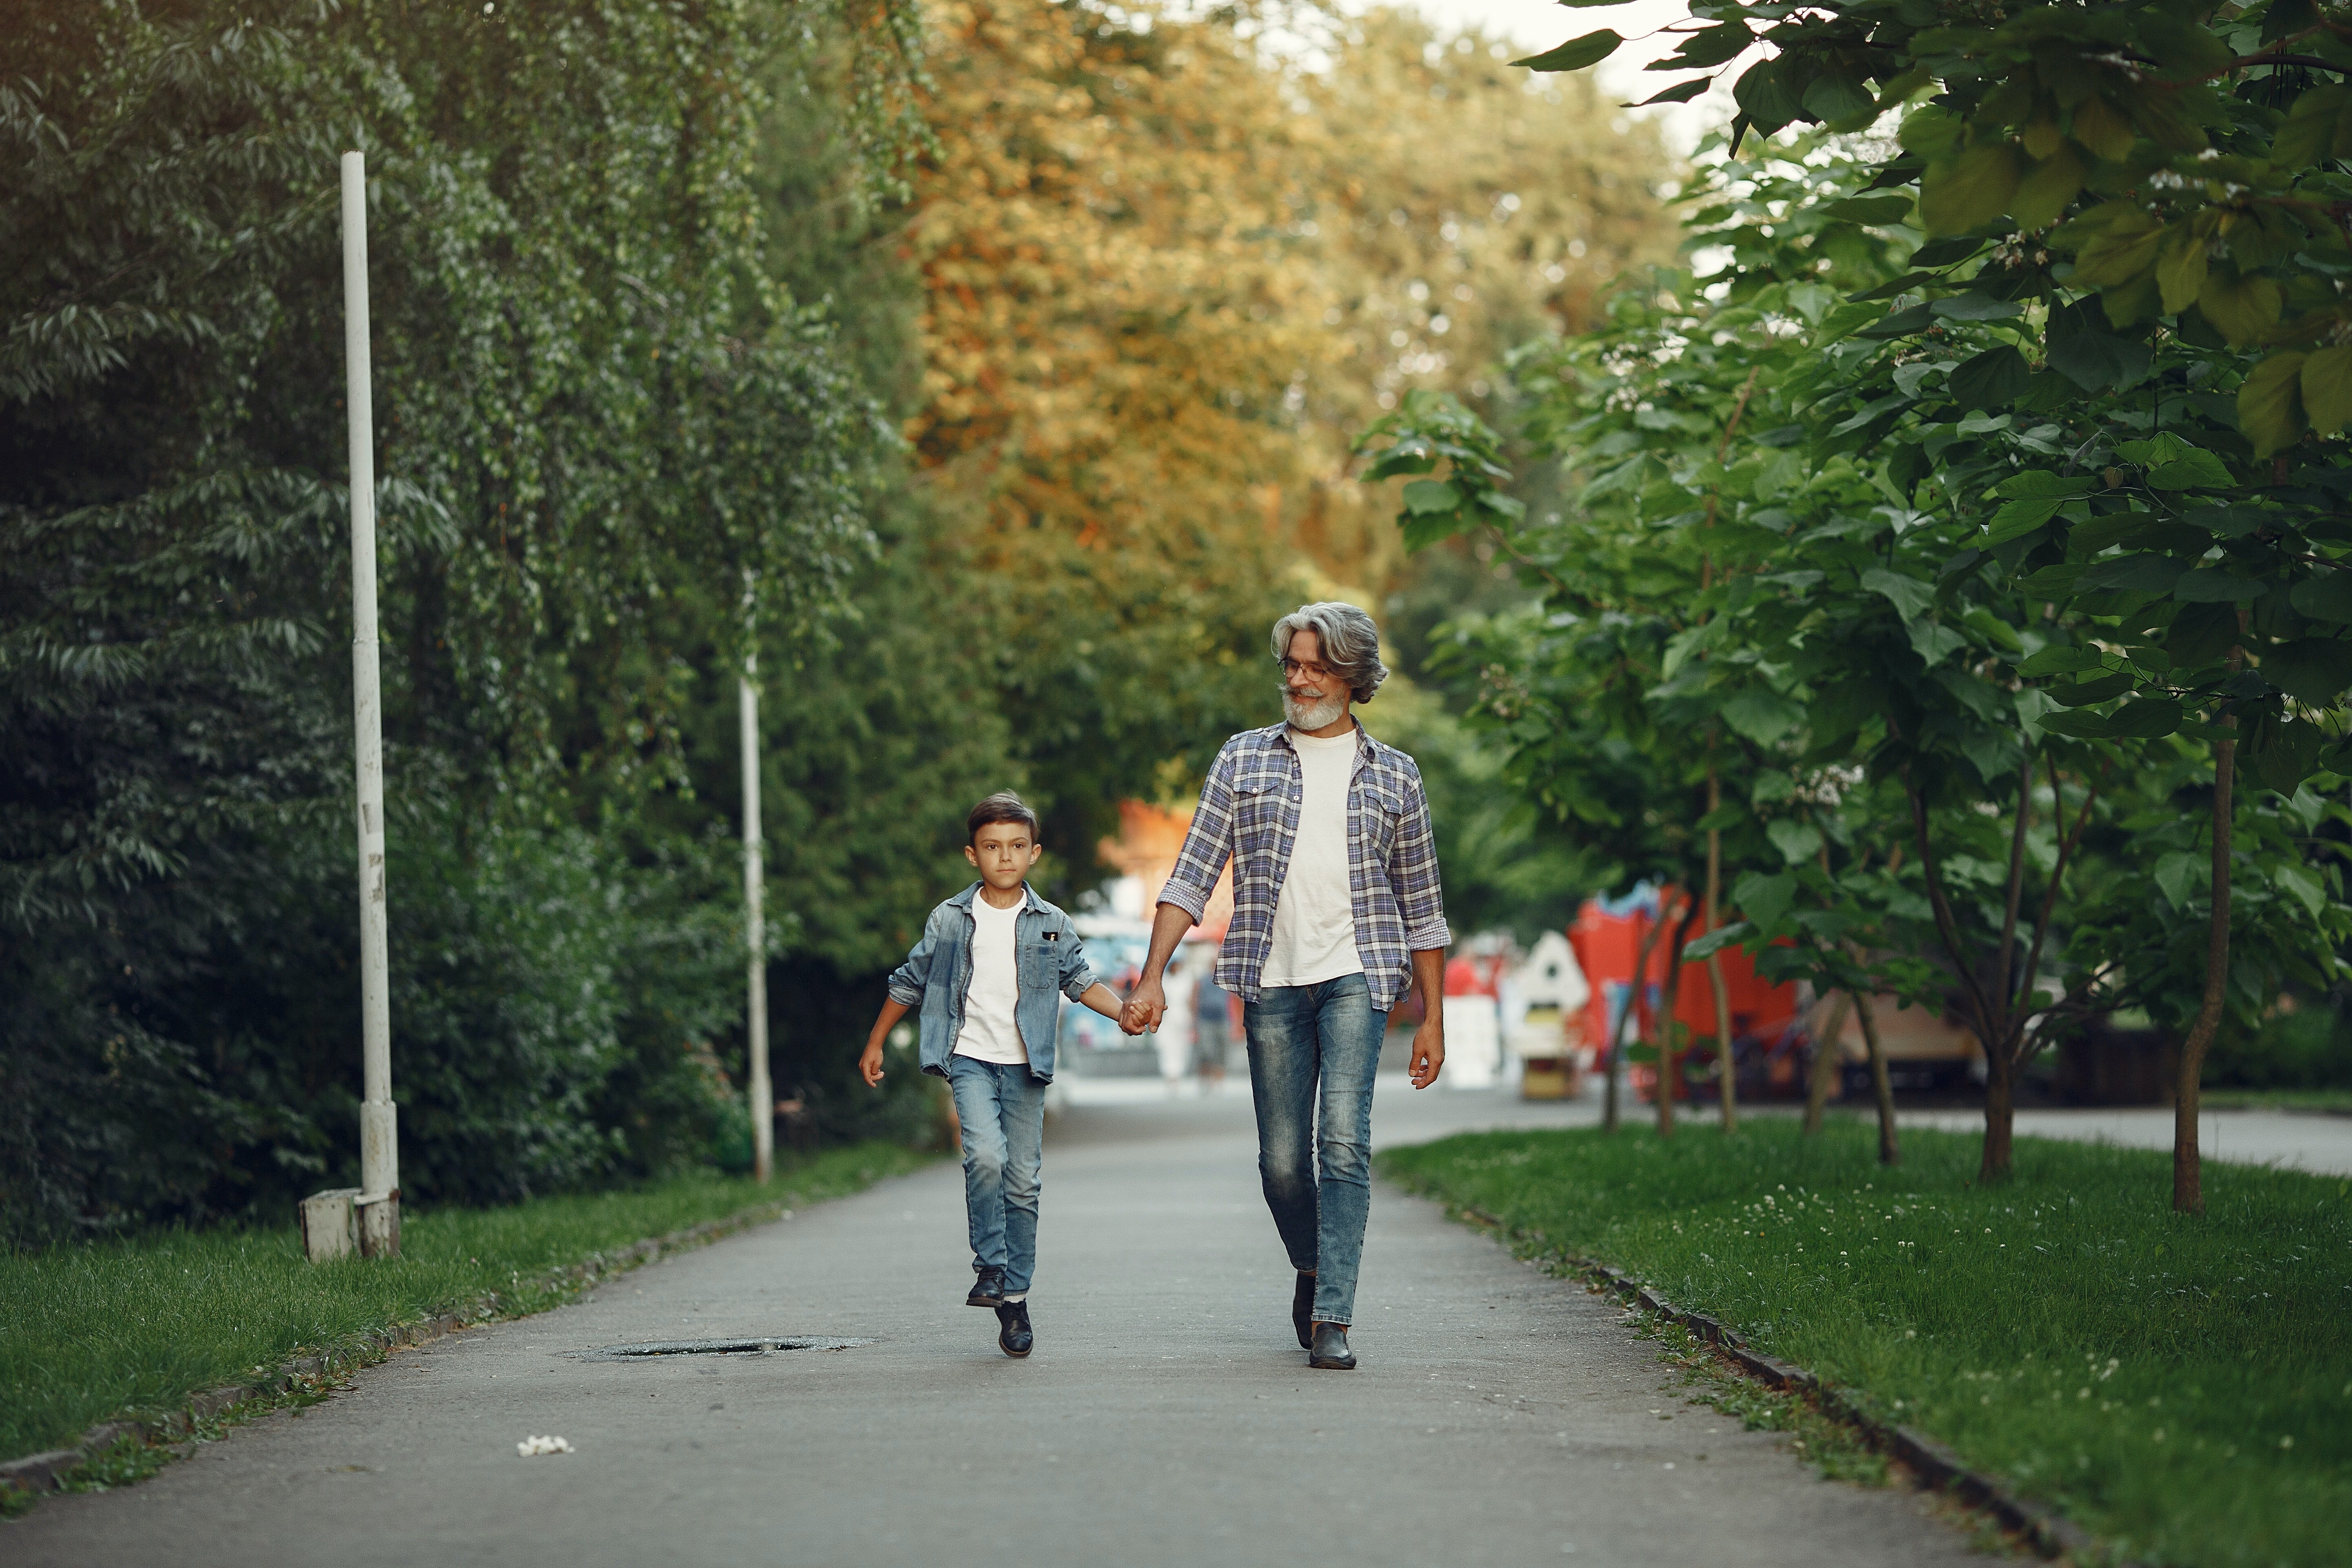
1314	715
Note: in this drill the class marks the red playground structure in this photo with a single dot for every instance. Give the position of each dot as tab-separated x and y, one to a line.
1765	1027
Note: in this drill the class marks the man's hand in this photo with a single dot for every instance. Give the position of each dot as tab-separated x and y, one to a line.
1428	1049
1144	1008
869	1064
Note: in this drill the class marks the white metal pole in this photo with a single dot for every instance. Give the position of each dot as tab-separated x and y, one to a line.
762	1095
379	1196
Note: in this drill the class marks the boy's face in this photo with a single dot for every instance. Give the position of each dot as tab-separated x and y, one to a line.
1003	851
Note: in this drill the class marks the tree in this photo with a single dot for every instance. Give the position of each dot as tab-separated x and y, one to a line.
595	404
1867	612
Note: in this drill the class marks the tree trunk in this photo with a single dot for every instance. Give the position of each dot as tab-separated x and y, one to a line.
2000	1112
1725	1073
1614	1067
1670	1077
1889	1153
1828	1062
2188	1160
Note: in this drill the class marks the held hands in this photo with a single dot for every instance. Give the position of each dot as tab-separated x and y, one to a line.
1144	1008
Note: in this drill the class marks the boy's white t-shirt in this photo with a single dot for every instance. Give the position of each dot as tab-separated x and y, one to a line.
992	1029
1315	914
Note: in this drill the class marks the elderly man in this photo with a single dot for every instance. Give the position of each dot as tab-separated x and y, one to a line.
1336	907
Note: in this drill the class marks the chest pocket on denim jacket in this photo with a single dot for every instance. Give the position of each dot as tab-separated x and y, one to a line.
1258	801
1036	964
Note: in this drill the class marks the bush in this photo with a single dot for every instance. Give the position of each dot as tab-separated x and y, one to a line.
2306	1047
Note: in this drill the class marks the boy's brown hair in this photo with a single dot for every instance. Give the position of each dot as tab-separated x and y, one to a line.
1001	807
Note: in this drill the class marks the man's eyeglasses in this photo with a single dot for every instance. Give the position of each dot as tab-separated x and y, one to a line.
1308	668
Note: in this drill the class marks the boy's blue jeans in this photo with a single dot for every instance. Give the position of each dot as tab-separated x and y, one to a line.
1003	1110
1313	1048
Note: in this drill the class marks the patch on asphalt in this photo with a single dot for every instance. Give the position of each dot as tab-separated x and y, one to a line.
655	1349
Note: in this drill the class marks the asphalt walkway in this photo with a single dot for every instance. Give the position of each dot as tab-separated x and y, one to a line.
1166	1416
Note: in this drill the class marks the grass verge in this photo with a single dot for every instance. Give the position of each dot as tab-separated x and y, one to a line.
2180	1388
94	1331
2329	1101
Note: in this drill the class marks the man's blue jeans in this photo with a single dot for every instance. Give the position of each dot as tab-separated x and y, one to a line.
1003	1110
1313	1049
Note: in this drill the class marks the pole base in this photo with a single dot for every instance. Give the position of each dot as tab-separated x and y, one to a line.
379	1226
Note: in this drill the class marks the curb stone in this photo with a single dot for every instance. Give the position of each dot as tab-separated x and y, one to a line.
1940	1467
46	1472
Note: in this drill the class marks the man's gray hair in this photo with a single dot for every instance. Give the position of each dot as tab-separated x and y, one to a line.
1351	643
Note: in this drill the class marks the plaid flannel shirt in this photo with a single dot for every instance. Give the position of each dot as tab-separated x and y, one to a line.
1249	811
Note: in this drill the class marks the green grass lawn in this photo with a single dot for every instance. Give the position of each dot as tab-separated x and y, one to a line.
2332	1102
2180	1386
91	1331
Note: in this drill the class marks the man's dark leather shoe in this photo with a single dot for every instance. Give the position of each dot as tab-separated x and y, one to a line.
1330	1348
1302	1310
988	1290
1013	1335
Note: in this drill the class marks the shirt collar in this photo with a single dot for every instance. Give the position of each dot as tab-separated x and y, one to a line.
963	900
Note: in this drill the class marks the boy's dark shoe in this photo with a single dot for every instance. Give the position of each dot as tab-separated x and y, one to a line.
1330	1348
1302	1310
1013	1335
988	1290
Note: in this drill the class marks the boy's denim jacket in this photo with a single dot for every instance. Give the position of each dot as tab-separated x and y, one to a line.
938	975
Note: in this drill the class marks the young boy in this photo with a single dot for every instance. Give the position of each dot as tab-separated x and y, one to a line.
988	973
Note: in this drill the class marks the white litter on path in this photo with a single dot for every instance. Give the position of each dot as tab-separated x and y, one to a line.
531	1446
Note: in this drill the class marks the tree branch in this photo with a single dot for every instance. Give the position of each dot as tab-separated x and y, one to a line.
2007	956
1946	926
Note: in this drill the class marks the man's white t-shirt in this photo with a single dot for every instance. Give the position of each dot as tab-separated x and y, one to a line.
1315	914
991	1031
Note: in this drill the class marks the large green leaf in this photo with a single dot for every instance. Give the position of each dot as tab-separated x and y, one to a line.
1798	842
2140	573
1765	899
1717	940
2119	251
1971	190
2316	670
2083	693
1836	95
2058	659
2145	719
2181	266
1575	54
2213	585
1993	379
1762	716
1769	95
2095	361
2241	308
2325	383
1425	496
2200	634
2324	596
2270	404
1909	596
2043	195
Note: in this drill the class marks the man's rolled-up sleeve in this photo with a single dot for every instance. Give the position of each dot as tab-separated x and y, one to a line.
1413	874
1208	845
908	981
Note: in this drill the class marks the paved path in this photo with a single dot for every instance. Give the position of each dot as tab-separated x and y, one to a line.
1166	1416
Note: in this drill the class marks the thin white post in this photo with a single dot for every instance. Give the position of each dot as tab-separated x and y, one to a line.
379	1196
755	926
